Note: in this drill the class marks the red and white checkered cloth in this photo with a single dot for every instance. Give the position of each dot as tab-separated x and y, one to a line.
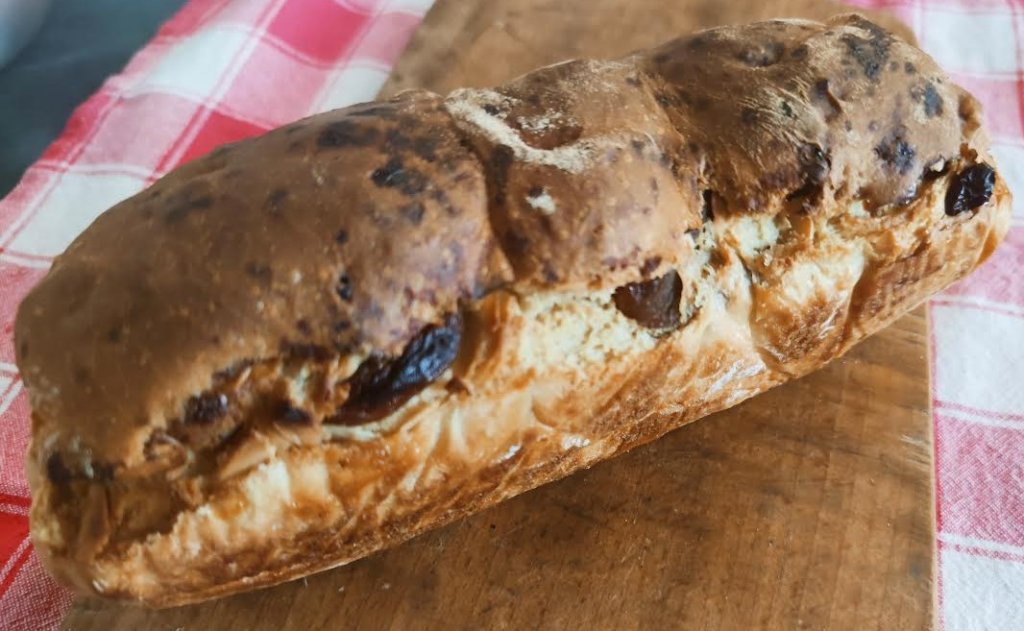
221	70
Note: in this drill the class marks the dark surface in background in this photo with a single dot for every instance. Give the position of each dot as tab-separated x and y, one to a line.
81	43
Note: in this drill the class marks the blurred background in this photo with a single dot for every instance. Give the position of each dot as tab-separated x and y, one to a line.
53	55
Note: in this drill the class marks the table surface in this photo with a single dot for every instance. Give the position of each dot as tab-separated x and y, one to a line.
809	506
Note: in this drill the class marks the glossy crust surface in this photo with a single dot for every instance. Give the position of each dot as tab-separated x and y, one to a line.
506	284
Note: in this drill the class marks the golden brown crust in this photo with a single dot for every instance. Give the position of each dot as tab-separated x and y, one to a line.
788	178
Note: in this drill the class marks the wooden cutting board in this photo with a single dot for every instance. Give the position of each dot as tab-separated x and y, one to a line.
807	507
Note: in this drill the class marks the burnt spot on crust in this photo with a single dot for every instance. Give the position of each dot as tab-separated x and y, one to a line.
800	52
970	189
313	352
633	81
341	326
194	197
285	412
424	147
413	212
275	201
701	40
380	110
57	471
896	152
550	275
206	408
870	53
515	243
382	385
344	288
762	55
341	237
302	326
654	304
748	115
259	271
491	109
394	174
81	375
929	98
500	162
650	265
114	334
347	133
909	68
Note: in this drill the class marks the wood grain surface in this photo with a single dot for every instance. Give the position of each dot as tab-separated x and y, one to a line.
807	507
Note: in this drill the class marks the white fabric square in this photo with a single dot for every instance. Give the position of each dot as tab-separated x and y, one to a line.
415	7
953	38
985	373
75	202
981	593
195	67
352	84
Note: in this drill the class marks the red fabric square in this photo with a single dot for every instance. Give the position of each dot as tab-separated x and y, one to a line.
216	130
13	530
278	88
321	29
1001	99
980	469
14	439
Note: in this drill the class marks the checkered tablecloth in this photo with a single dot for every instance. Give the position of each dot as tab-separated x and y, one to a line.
221	70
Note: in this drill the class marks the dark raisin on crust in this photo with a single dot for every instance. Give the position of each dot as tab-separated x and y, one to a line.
288	414
381	385
896	152
346	133
57	471
815	165
394	174
970	189
344	288
654	303
206	408
872	52
707	212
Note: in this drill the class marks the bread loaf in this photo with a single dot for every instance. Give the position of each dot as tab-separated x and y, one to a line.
308	346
